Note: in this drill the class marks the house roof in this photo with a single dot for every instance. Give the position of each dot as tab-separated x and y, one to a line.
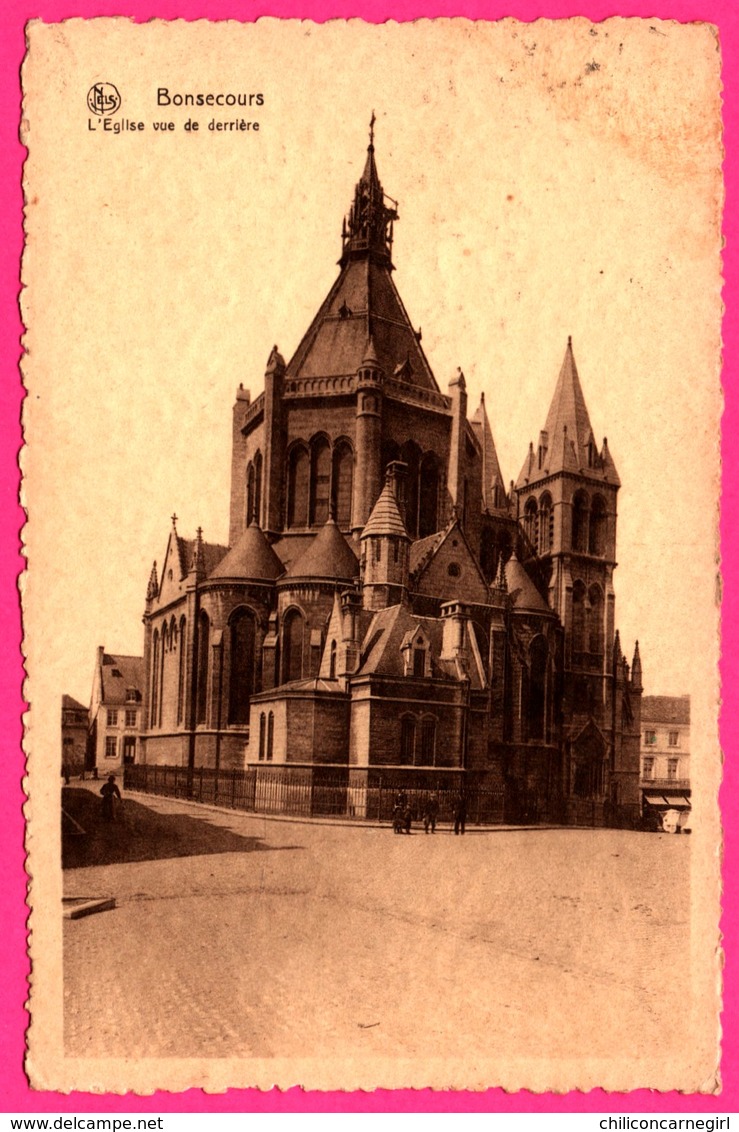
328	555
118	674
250	557
70	704
665	709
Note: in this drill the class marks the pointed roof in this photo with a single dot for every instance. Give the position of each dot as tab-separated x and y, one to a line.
522	590
567	441
250	557
363	303
329	556
568	407
385	518
491	473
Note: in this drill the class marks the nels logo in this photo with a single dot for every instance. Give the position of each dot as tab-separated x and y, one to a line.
103	99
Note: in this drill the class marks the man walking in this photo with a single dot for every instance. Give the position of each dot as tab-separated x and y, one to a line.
460	814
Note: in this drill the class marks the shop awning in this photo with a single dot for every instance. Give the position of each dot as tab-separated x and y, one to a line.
656	800
677	801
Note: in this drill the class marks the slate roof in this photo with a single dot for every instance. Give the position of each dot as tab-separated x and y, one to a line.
212	554
490	466
569	432
250	557
381	648
521	589
328	555
665	709
385	517
117	674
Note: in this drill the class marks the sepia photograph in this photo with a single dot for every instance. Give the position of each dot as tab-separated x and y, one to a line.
371	612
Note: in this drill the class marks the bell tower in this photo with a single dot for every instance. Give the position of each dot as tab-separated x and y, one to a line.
566	500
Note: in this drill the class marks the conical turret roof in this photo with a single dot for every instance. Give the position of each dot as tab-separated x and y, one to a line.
385	518
327	556
251	557
522	590
491	473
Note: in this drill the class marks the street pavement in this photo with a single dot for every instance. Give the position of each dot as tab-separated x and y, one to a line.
294	939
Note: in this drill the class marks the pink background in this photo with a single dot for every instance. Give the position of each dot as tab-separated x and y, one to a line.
15	1095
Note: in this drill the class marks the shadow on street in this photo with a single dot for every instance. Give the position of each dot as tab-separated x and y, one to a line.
139	834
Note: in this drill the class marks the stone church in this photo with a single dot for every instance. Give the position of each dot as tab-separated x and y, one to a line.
387	609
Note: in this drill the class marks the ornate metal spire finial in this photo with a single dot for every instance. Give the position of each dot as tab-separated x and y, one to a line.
174	521
372	129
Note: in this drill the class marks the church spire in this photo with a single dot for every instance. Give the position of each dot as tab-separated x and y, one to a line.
368	229
567	442
493	489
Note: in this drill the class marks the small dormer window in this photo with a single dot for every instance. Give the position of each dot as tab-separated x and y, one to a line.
131	696
453	570
116	672
419	662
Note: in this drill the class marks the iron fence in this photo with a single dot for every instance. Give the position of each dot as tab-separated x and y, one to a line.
366	794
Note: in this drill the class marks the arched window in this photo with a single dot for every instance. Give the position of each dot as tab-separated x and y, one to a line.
251	477
270	736
578	617
546	524
203	665
598	521
427	752
154	679
262	732
580	512
407	739
242	640
332	661
258	488
320	482
538	658
531	523
428	511
595	620
293	632
410	454
162	663
181	672
343	473
298	477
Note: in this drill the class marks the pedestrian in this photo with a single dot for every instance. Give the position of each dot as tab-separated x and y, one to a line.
430	814
110	792
460	813
65	774
407	818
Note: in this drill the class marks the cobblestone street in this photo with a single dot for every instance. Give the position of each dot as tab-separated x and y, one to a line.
281	938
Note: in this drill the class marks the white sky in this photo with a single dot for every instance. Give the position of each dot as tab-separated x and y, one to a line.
539	196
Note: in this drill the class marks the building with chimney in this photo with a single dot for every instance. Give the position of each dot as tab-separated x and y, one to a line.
387	611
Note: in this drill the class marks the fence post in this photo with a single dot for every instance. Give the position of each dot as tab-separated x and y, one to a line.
200	787
233	788
379	801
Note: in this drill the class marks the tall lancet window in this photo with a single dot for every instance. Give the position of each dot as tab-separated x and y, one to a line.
343	473
320	483
242	640
298	478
